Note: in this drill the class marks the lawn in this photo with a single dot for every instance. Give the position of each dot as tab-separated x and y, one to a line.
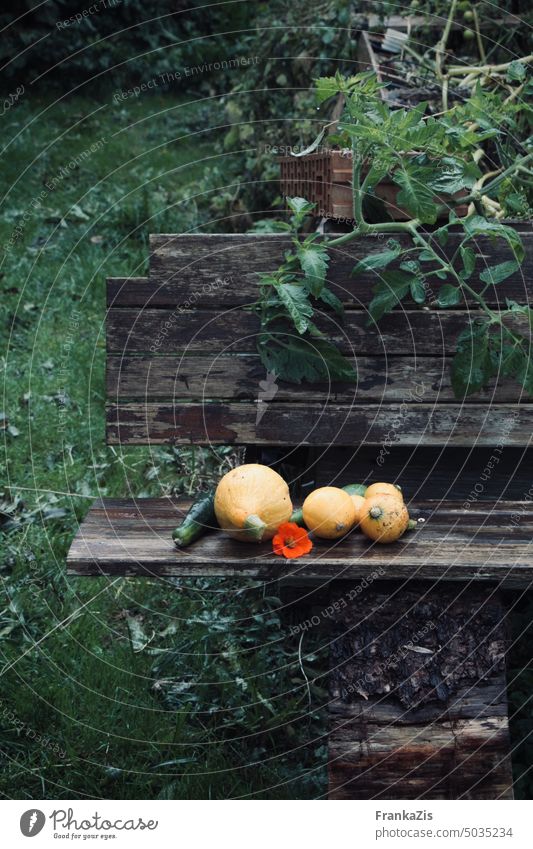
123	688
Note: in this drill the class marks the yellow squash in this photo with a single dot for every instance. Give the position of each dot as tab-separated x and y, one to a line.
329	512
358	503
251	502
384	489
384	518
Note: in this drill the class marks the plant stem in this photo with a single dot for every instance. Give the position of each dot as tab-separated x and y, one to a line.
356	187
449	269
369	229
422	60
445	94
440	49
459	71
480	47
503	176
488	189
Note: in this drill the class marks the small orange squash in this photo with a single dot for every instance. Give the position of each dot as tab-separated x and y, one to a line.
384	518
329	512
358	503
251	502
384	489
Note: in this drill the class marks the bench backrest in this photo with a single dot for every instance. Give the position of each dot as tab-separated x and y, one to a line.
182	365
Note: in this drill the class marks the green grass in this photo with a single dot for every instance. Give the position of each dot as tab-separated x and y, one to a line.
125	688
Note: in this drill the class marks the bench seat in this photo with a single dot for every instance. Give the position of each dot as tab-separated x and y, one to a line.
492	541
182	368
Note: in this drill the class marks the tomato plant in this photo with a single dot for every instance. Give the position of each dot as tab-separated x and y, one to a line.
427	158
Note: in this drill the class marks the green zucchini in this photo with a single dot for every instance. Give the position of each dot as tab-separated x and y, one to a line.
200	518
355	489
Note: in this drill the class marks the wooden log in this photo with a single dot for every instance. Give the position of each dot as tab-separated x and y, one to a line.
288	423
418	691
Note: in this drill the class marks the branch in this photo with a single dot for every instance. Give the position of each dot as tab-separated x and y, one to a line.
368	229
480	47
357	199
458	71
443	41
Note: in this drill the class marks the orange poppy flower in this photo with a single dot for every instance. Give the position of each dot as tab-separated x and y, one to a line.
291	540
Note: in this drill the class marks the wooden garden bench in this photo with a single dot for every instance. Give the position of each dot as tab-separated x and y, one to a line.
418	692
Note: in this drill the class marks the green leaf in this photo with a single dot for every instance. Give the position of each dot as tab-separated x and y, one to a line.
418	291
516	202
476	225
427	135
496	273
516	72
299	205
374	209
364	131
388	293
379	168
331	300
270	225
314	260
294	299
415	195
313	146
469	261
449	296
300	208
326	87
295	359
472	365
410	265
515	359
442	235
379	260
453	175
519	309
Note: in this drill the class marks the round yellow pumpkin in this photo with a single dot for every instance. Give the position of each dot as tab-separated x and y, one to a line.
384	489
384	518
358	503
329	512
251	502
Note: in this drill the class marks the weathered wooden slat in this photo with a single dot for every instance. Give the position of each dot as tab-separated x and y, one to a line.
221	270
237	378
287	423
485	700
419	706
470	475
126	537
463	759
409	333
121	289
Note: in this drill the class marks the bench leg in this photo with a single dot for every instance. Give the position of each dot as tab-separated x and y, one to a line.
418	694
